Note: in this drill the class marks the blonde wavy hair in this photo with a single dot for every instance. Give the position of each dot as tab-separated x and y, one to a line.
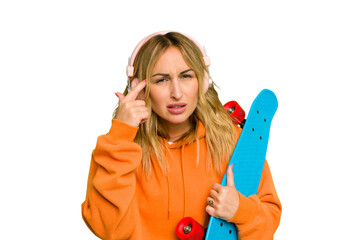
220	132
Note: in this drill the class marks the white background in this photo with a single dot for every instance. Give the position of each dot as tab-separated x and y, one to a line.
62	61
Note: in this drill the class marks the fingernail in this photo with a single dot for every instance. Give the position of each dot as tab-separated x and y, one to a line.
117	94
145	80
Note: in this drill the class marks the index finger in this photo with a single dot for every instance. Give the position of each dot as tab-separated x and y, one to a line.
132	95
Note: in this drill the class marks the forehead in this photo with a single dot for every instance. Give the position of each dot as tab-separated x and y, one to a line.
171	60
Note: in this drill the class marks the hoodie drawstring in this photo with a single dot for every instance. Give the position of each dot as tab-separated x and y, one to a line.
183	176
169	187
184	182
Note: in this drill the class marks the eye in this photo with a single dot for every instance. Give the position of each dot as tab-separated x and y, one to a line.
186	75
160	80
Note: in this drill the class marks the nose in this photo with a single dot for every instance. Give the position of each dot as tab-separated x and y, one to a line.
175	89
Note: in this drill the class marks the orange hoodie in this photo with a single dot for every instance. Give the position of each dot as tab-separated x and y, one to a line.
121	204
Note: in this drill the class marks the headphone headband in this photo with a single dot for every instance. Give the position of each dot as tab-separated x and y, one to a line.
130	67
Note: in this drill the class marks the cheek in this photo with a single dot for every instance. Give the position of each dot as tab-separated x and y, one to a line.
194	91
156	97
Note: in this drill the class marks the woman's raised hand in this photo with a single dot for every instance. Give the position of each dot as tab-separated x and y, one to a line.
132	109
223	201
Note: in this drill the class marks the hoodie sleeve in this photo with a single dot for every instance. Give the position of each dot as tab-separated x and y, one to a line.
110	209
258	216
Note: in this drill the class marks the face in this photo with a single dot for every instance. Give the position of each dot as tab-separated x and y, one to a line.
173	89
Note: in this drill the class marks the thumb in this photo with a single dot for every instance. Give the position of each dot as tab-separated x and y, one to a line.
120	95
230	176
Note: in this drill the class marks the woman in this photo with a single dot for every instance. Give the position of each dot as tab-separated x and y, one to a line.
167	150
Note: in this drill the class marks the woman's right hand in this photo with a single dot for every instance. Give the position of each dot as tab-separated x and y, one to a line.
132	109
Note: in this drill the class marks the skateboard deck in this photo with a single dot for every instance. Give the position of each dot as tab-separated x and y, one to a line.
248	158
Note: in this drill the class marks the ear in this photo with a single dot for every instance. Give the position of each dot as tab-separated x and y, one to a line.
134	82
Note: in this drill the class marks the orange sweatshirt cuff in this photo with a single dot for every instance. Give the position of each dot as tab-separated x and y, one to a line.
120	131
245	212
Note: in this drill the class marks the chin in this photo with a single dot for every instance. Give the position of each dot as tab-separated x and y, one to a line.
177	119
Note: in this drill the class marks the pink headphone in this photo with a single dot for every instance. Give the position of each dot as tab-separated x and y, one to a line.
130	67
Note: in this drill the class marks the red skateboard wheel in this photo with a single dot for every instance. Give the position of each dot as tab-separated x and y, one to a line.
189	229
235	111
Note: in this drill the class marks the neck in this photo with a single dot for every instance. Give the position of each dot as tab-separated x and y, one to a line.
175	131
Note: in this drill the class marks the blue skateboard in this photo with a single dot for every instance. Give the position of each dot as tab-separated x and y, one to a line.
248	160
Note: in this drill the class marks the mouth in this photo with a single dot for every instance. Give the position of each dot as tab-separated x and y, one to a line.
176	105
176	108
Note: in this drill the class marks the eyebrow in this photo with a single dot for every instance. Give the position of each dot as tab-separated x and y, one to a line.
166	74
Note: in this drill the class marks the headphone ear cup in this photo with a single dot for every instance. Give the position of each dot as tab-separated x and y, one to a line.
206	82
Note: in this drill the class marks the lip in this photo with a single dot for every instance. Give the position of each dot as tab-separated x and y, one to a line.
180	108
